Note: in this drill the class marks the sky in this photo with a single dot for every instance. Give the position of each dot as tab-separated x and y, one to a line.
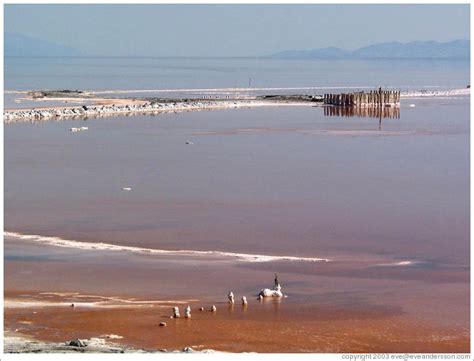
232	30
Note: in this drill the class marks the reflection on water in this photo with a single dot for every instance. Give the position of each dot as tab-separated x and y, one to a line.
371	112
273	301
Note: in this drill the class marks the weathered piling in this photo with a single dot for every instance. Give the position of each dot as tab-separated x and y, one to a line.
377	98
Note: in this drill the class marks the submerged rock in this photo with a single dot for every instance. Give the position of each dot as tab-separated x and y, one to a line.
187	312
77	343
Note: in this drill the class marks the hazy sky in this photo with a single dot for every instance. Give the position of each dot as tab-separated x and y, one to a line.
232	30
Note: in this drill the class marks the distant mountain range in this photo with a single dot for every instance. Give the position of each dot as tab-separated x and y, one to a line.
22	45
457	49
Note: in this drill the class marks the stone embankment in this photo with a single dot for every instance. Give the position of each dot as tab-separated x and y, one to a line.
150	106
104	110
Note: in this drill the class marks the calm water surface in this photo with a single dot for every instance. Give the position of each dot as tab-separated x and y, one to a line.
185	73
277	180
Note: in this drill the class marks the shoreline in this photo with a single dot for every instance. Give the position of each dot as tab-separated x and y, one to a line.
88	105
14	343
131	315
90	329
21	338
113	107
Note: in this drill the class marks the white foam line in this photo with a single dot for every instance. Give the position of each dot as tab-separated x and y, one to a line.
198	90
398	264
111	336
16	91
436	93
116	299
201	90
244	257
16	303
247	89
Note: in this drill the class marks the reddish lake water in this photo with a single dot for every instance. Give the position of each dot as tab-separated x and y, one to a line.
388	205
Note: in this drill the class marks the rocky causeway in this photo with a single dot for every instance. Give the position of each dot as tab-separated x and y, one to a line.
121	106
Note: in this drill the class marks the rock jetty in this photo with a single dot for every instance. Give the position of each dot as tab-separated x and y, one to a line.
104	110
147	107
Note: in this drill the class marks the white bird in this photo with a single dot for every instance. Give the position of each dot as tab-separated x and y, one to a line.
244	301
230	297
213	308
126	188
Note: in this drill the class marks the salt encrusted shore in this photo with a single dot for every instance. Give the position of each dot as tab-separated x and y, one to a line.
147	107
18	343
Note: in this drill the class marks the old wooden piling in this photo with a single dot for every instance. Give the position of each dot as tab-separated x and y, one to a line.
377	98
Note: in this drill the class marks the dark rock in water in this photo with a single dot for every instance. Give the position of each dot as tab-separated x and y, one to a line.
77	343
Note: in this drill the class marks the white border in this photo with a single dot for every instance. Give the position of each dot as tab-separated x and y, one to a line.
214	356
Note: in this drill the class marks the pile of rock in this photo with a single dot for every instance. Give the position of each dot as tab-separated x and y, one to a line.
113	109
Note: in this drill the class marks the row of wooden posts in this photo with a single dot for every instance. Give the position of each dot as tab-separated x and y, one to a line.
373	98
